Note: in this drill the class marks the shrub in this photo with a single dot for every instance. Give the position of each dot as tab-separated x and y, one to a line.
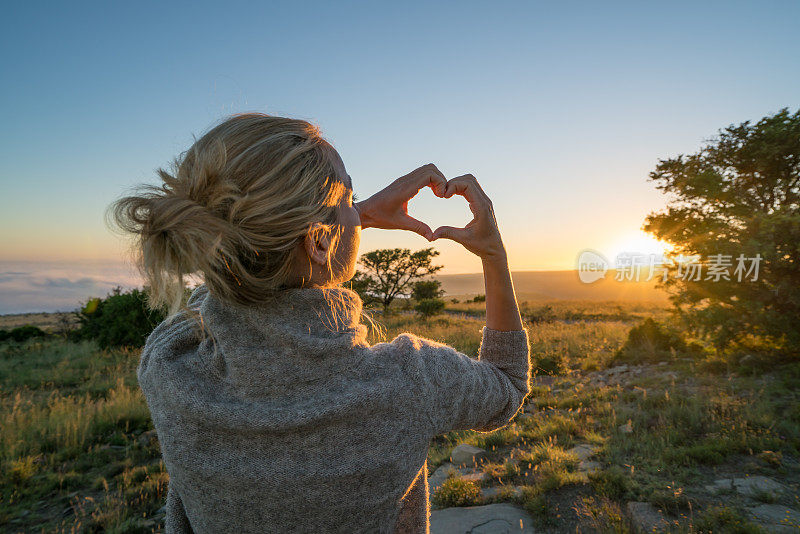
650	341
429	307
121	319
543	314
22	333
456	491
612	483
479	298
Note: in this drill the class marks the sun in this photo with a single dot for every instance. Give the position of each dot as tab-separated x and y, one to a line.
637	243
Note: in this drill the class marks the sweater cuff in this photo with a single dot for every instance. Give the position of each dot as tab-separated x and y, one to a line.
501	347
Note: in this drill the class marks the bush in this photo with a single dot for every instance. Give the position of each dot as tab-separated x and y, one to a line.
429	307
479	298
613	483
121	319
22	333
650	341
543	314
456	491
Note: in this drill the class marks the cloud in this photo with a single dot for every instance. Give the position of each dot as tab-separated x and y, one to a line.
48	286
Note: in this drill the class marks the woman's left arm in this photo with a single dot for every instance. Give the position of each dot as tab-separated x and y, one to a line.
388	208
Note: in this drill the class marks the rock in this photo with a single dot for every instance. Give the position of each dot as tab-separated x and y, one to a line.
618	369
779	518
465	454
583	451
645	517
750	486
627	428
495	491
543	380
501	518
753	485
440	475
588	465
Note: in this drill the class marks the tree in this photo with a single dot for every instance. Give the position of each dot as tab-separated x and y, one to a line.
389	273
737	199
427	289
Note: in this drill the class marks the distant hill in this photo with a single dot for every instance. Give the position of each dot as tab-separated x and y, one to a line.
549	285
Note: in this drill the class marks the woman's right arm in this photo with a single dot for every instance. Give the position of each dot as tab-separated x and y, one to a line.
458	392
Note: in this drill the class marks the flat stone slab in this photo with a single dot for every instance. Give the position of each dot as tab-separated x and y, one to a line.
583	451
645	517
465	454
467	473
749	486
501	518
494	491
587	466
779	518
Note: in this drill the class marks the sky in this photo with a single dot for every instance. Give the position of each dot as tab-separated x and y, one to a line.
559	109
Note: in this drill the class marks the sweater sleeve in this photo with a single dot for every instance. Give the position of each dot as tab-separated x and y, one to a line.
176	521
462	393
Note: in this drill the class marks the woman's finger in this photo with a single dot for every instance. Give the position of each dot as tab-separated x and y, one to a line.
417	226
467	186
426	176
459	235
435	179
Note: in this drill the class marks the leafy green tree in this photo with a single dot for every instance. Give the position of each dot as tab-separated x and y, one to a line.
738	197
120	319
389	273
427	289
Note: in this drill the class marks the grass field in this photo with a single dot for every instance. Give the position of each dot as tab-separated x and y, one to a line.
599	432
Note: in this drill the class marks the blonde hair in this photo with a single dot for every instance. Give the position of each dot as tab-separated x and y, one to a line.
233	209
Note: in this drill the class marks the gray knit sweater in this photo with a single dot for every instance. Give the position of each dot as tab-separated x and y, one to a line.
285	419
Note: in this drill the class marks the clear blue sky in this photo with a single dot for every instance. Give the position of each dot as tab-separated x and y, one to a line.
560	109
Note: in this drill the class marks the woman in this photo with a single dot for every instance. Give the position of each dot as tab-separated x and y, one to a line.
273	411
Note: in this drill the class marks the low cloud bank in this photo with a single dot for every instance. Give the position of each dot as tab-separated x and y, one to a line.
28	287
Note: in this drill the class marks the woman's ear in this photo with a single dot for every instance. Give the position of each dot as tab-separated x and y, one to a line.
318	244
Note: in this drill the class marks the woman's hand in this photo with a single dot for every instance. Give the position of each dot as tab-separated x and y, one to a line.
388	208
481	235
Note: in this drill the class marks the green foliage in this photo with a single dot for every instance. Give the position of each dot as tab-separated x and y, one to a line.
479	298
427	289
429	307
456	491
649	342
120	319
725	519
22	333
740	195
389	273
613	483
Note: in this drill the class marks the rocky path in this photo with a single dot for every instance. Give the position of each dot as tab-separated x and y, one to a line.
769	502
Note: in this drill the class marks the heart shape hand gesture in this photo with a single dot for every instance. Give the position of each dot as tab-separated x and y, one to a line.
388	209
